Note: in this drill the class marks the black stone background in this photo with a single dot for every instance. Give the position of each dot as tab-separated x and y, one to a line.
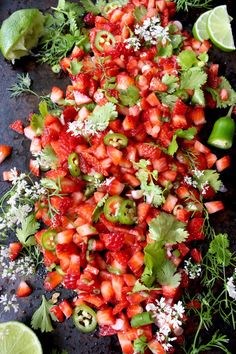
65	335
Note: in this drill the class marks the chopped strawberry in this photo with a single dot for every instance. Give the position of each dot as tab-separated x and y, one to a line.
52	280
168	291
14	250
23	289
105	317
56	94
34	167
195	229
56	311
180	108
214	207
66	308
223	163
113	241
17	126
5	151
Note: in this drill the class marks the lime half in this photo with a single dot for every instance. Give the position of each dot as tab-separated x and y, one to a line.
17	338
200	31
219	28
20	32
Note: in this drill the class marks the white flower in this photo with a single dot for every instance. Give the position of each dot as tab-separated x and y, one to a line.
231	287
189	180
133	42
197	173
9	303
152	32
192	269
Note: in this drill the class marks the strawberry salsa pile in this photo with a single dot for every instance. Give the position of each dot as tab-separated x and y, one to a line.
130	183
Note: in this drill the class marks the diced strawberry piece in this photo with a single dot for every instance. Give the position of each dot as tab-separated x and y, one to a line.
199	147
211	160
105	317
106	331
179	121
196	255
17	126
183	249
14	250
126	345
157	85
70	281
133	310
9	175
34	167
129	279
170	203
65	236
183	215
197	116
131	180
23	289
180	108
154	345
29	132
119	308
113	241
56	94
214	207
65	63
136	262
124	81
223	163
52	280
94	300
148	151
117	285
66	308
56	311
161	164
136	298
86	230
195	229
62	204
168	291
153	100
114	154
107	290
142	211
115	187
5	151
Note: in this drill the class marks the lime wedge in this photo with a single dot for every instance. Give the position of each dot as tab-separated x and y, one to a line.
219	29
17	338
200	31
20	32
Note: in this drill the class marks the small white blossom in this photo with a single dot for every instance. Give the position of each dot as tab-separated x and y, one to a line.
197	173
133	42
230	286
9	303
190	181
152	32
192	269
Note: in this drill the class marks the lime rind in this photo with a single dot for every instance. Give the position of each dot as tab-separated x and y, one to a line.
200	31
219	29
20	33
16	337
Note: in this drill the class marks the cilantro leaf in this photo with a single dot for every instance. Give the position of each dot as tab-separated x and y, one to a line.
158	267
198	97
187	134
171	82
219	247
99	208
48	157
75	67
140	345
43	108
209	177
187	59
37	123
138	286
41	318
167	99
29	227
130	96
216	94
99	119
192	79
164	52
165	228
50	184
139	12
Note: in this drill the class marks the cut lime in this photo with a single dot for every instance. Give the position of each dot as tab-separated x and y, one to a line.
200	31
17	338
219	29
20	32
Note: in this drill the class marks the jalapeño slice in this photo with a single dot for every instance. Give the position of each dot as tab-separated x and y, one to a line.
104	40
73	164
49	240
127	212
84	318
111	208
119	141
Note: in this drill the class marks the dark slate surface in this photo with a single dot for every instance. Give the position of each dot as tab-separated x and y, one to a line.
65	335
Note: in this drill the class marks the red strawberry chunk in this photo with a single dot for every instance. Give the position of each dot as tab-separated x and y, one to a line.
113	241
14	250
23	289
17	126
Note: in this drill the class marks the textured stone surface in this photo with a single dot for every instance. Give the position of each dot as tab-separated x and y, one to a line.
65	335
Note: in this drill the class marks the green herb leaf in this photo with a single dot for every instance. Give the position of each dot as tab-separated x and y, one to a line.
50	184
99	208
186	5
165	228
138	286
41	318
219	247
193	79
99	119
48	158
210	177
140	345
187	134
75	67
96	9
216	94
43	108
22	85
29	227
168	100
37	123
171	81
187	59
140	12
164	52
130	96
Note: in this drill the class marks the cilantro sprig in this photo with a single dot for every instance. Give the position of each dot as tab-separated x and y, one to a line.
41	318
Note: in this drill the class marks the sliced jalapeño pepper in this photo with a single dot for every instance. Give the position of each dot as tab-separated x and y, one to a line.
111	208
84	318
104	40
49	240
119	141
110	6
141	319
73	164
127	212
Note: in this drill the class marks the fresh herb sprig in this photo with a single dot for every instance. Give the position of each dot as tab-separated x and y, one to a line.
186	5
